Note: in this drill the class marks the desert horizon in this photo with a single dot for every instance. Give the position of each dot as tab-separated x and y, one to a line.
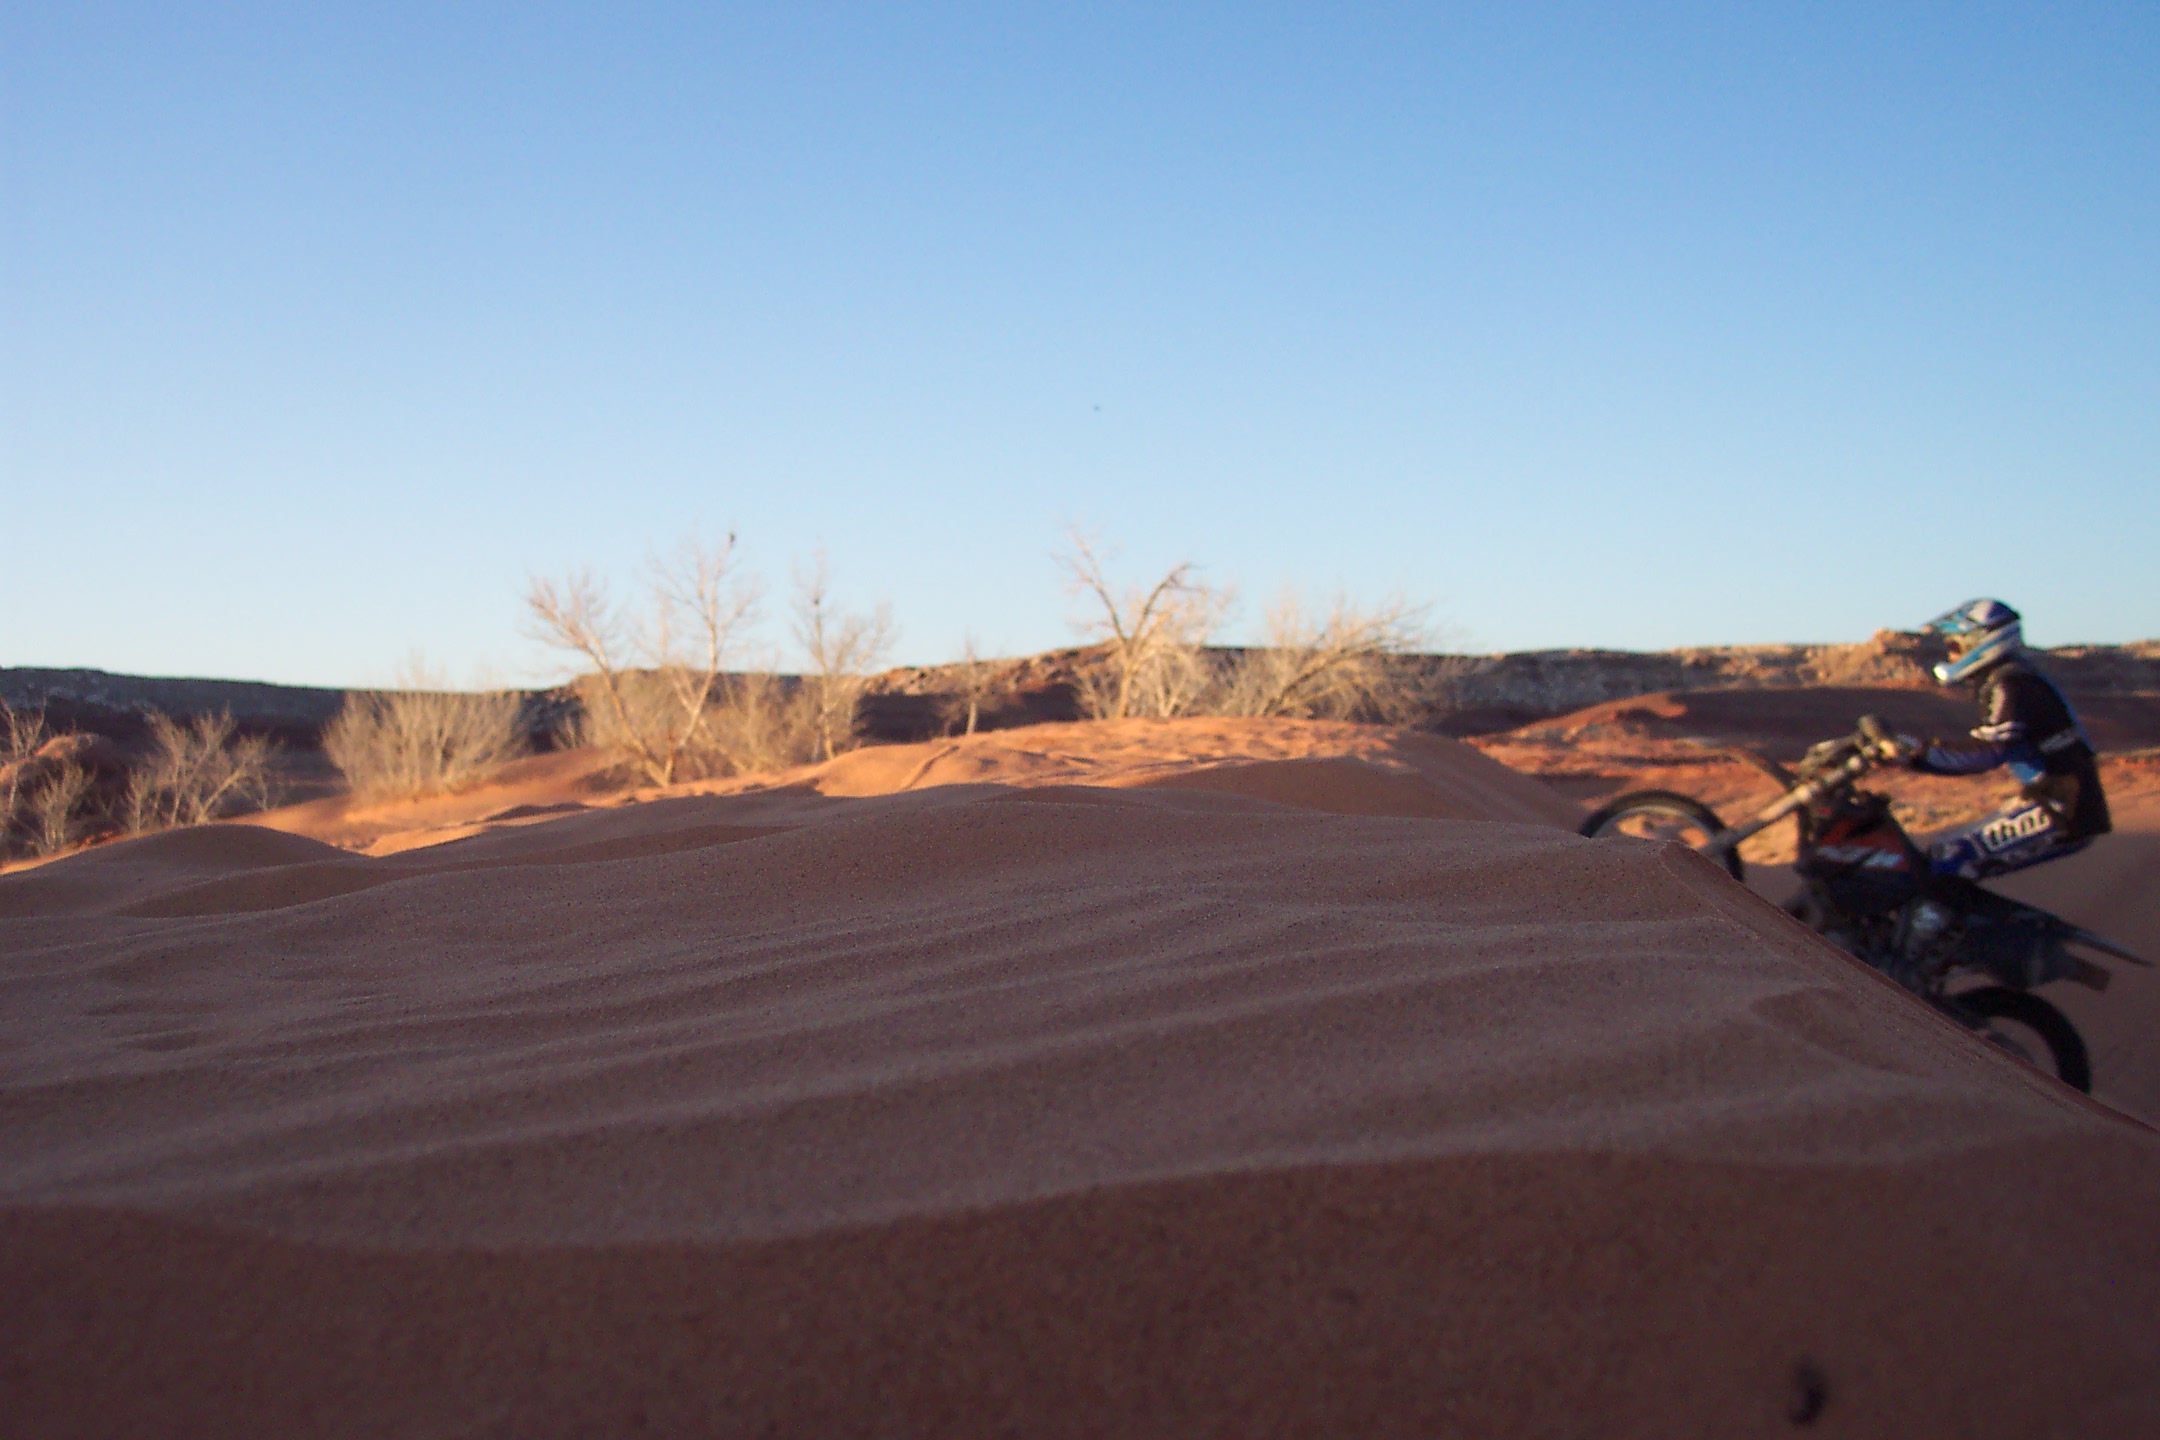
1782	697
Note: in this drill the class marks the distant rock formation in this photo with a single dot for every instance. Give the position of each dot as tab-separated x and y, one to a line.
1485	694
1482	694
118	706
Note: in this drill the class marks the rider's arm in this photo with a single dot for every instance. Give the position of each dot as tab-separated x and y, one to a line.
1940	757
2003	738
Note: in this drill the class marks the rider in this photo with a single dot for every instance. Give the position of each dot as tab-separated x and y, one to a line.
2026	724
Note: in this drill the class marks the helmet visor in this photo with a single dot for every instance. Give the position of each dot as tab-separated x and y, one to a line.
1974	617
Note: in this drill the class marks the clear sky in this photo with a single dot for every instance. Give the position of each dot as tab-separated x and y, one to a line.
323	326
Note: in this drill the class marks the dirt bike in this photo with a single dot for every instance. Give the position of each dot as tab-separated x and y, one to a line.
1862	878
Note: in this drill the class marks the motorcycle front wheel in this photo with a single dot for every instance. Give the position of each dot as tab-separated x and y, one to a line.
1663	815
2029	1028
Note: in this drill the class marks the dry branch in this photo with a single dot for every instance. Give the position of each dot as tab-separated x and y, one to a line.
422	738
977	678
1153	638
841	647
652	678
55	807
1339	663
198	772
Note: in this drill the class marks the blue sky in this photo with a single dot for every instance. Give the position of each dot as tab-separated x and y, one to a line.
322	328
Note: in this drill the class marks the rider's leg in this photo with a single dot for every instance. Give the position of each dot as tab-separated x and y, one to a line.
2021	834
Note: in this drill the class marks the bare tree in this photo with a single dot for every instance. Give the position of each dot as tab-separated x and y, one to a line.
1337	663
49	800
198	772
656	714
55	808
22	733
763	721
841	647
1153	637
978	681
422	737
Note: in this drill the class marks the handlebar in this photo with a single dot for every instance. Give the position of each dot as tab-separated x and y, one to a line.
1871	739
1829	767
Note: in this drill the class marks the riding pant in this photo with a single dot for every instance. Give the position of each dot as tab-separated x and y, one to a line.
2022	833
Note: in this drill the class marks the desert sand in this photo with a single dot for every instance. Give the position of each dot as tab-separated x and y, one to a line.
1150	1078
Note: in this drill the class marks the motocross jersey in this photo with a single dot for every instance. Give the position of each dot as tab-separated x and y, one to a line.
2026	724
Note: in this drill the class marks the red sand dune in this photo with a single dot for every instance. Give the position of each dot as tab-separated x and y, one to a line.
1203	1077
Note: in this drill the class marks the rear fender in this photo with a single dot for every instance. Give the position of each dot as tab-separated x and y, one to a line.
2023	945
2077	936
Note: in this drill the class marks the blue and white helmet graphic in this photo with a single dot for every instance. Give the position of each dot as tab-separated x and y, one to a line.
1982	633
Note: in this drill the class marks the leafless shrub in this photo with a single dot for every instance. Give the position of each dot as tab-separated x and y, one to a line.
841	646
626	717
22	732
198	772
1153	638
654	714
1337	664
422	738
56	808
762	722
48	801
977	680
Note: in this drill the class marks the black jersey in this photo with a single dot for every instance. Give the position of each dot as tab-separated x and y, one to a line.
2027	724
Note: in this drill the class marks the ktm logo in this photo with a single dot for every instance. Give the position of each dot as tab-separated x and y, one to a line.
2004	833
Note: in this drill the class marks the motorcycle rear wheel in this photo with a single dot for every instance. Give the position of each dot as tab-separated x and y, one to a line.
1663	815
2029	1028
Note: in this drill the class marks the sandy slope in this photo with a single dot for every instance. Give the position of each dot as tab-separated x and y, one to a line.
1679	742
1202	1078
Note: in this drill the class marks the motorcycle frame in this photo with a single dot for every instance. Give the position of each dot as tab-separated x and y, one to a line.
1801	794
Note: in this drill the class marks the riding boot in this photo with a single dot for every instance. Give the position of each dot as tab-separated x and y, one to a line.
1920	930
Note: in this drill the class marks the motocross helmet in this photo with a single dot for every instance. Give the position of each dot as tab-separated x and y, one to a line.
1981	634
